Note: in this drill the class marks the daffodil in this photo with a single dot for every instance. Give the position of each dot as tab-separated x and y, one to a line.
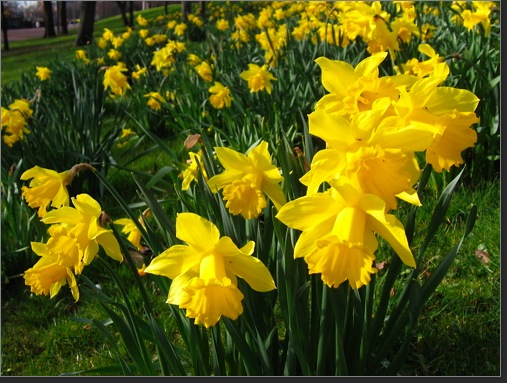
83	223
352	90
115	80
371	150
155	100
220	96
338	233
258	78
205	271
48	276
80	54
195	165
47	188
43	73
246	179
205	71
132	230
15	121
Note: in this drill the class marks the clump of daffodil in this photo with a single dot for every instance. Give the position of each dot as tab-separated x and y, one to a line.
338	233
15	121
220	96
115	80
48	188
194	166
43	73
75	236
204	271
247	179
258	78
155	100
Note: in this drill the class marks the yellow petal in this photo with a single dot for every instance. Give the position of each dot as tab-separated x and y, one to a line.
337	76
253	271
306	212
176	260
110	245
387	226
196	231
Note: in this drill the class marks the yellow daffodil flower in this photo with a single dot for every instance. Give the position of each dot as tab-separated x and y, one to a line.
48	275
81	55
259	78
195	165
221	96
116	80
154	100
43	73
205	271
338	227
205	71
130	228
47	188
352	90
246	178
82	222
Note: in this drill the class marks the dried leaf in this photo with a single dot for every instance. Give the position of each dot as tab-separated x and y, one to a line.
482	256
380	265
192	140
392	293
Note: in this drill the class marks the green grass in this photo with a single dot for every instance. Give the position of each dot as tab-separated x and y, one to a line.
23	56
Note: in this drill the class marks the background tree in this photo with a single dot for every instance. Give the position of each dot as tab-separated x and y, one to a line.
4	27
49	21
86	23
186	8
123	11
61	7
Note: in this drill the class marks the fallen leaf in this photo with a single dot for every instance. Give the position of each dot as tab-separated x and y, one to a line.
482	256
192	140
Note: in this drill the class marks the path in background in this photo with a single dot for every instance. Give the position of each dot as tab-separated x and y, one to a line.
29	33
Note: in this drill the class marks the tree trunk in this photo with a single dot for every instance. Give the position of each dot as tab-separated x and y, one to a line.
186	8
131	13
123	10
49	21
4	28
202	10
63	17
165	8
86	23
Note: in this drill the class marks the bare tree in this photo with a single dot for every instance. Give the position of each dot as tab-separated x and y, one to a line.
61	7
86	23
186	8
123	10
4	28
49	21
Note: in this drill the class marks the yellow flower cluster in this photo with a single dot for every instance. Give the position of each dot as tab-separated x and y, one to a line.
15	121
75	232
373	127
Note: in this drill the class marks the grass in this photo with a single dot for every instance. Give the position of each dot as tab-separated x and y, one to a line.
22	56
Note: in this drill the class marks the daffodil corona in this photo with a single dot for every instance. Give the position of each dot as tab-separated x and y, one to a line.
205	271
